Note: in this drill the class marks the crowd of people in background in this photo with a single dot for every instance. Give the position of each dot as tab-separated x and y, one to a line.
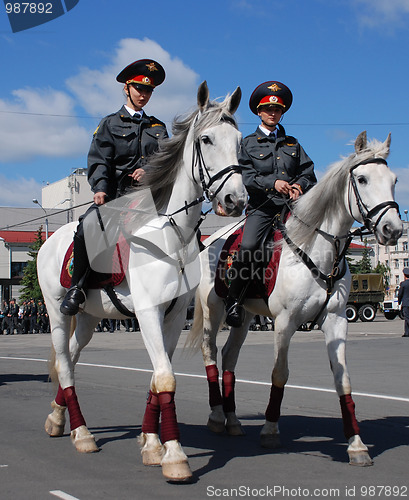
29	317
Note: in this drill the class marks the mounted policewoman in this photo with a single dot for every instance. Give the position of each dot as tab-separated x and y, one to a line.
274	167
117	159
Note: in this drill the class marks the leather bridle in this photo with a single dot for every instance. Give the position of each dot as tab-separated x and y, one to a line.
366	214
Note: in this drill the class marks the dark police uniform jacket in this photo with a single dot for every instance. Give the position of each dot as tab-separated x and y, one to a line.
119	146
403	294
265	159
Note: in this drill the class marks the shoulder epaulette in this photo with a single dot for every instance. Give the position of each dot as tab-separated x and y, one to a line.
155	122
290	141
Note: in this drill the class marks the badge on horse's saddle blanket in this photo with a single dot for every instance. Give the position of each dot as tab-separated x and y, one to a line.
119	266
270	268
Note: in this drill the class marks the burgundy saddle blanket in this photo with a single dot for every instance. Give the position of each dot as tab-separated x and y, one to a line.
255	289
120	260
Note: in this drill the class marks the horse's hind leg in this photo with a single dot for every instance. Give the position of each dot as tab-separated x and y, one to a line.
66	355
335	329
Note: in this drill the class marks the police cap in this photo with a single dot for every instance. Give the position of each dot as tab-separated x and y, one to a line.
143	72
271	92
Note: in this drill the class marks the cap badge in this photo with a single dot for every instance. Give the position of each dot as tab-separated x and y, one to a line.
273	98
151	67
274	87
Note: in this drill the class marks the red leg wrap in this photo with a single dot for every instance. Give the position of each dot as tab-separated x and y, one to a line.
274	405
215	397
152	414
76	418
228	382
59	398
169	427
351	426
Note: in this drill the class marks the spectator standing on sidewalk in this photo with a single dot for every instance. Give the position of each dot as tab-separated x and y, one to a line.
403	299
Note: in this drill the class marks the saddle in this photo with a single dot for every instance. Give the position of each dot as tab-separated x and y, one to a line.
96	280
258	288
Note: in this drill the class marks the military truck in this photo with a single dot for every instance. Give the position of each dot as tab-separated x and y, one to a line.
367	292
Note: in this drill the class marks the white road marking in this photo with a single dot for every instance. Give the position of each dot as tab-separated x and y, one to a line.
243	381
63	495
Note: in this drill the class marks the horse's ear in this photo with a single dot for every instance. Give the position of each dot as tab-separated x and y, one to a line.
387	143
203	96
235	101
361	141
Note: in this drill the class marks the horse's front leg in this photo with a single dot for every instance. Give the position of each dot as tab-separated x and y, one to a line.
230	356
161	400
67	353
335	329
211	325
270	433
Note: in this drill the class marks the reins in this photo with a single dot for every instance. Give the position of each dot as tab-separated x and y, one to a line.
337	271
197	161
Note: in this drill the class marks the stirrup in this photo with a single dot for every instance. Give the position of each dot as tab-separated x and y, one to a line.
235	315
72	300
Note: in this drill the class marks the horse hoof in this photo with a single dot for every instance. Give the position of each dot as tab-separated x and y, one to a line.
216	427
177	473
270	441
152	450
153	457
55	423
83	440
235	430
360	458
52	428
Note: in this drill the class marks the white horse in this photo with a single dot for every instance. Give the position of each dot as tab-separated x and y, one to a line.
163	272
307	288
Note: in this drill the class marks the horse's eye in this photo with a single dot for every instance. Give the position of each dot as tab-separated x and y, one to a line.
206	139
362	180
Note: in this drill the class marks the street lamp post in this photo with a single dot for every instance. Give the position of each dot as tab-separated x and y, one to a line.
46	217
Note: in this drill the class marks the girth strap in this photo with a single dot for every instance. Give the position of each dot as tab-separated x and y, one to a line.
109	289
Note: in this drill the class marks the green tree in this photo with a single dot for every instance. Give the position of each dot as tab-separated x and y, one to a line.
385	271
30	287
353	266
365	266
362	266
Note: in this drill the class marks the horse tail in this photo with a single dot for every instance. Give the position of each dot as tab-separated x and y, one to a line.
52	370
195	337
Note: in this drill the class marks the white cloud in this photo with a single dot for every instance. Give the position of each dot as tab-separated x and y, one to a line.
41	122
99	93
29	130
18	192
381	12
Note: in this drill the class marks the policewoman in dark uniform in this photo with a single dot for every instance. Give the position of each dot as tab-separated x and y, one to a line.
117	158
275	169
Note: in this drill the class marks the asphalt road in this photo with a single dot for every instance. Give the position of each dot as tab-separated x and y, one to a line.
112	380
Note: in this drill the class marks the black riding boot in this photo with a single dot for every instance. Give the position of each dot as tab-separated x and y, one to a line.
239	273
76	294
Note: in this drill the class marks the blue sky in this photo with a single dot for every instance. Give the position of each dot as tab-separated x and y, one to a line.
346	62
